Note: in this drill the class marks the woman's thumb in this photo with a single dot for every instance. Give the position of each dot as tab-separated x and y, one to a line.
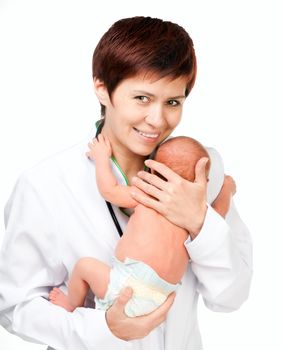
124	296
200	171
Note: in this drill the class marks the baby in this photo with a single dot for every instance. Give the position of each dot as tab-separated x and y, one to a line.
150	257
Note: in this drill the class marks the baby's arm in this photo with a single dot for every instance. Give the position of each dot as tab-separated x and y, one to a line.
110	189
222	202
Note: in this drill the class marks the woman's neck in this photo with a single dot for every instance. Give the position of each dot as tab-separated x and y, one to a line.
128	164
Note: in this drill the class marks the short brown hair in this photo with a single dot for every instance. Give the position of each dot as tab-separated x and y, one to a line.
144	44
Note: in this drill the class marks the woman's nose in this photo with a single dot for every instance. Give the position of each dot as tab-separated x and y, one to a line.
155	116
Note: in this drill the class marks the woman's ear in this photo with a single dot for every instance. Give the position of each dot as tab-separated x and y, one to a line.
101	91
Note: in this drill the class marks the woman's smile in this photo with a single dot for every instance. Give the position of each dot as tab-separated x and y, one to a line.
150	137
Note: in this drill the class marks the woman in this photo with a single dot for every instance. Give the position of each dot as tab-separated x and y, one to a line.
143	70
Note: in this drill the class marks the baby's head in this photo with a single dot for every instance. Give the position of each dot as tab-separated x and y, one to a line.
181	155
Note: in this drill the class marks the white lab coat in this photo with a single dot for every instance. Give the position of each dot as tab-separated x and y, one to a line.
56	215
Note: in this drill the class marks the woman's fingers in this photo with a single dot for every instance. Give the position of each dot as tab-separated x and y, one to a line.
147	188
149	202
152	179
160	314
128	328
122	299
161	169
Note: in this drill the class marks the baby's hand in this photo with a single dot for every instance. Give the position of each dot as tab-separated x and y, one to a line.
229	184
99	148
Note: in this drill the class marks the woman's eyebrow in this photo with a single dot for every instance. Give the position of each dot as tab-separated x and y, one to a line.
142	92
177	97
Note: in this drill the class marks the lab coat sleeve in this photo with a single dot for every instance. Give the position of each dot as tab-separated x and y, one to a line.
29	267
221	259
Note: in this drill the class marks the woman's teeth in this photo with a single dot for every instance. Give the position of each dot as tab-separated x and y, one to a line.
152	136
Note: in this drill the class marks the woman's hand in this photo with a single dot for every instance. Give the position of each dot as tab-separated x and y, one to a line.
182	202
129	328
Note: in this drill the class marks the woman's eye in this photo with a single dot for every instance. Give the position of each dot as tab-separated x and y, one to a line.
173	103
142	98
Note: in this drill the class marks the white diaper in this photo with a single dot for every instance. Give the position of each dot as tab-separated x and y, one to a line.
149	289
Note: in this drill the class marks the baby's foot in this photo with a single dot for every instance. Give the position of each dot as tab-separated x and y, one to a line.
57	297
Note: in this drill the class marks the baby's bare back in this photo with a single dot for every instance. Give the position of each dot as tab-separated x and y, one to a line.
151	238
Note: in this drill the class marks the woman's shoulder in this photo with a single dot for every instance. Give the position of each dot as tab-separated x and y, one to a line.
66	163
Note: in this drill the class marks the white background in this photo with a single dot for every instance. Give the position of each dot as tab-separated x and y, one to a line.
47	103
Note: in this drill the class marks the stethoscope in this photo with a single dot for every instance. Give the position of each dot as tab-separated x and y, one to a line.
99	126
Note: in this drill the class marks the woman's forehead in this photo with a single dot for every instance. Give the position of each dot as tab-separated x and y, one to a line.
152	84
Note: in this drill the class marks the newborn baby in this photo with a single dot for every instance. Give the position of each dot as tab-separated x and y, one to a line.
151	256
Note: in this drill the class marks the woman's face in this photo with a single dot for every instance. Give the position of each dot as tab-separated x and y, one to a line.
142	112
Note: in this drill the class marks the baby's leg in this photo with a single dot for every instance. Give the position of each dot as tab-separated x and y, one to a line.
87	272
